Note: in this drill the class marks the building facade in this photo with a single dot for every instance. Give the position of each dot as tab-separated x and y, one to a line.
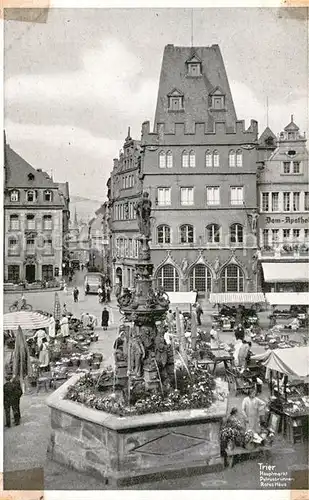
199	166
78	245
35	208
283	193
125	188
99	240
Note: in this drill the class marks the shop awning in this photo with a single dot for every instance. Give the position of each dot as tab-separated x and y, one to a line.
27	320
293	361
182	297
288	298
276	272
236	298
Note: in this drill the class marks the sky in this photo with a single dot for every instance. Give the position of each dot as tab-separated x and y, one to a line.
74	84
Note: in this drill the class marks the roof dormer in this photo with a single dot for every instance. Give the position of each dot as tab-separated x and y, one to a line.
175	100
194	66
291	133
217	99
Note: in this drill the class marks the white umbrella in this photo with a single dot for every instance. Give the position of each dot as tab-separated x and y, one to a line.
27	320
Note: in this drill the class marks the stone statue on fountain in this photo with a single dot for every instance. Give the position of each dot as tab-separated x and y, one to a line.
143	213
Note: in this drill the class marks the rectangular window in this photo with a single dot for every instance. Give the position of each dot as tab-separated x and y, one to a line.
275	235
265	237
13	273
30	222
286	202
213	195
47	272
13	247
30	246
296	198
47	222
14	223
237	195
218	102
296	234
164	196
274	202
186	196
48	246
286	234
296	167
306	207
265	202
286	167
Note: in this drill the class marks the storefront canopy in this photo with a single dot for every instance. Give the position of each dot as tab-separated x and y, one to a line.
288	299
236	298
27	320
182	297
293	361
281	272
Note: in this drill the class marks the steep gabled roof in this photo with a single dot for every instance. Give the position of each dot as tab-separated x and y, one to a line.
268	138
20	174
291	126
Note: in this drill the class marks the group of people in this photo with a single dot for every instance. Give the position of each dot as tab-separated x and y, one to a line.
104	293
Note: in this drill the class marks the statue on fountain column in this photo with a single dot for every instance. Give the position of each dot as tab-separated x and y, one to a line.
137	356
143	212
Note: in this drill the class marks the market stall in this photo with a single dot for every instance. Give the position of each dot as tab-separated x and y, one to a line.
183	300
27	320
288	306
234	308
289	406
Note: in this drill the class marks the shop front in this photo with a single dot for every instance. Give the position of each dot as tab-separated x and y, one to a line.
285	277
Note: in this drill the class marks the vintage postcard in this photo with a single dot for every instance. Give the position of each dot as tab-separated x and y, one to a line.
156	250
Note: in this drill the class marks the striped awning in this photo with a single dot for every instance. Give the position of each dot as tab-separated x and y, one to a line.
236	298
27	320
276	272
288	298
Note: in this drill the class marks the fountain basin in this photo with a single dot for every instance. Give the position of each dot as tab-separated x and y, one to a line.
131	449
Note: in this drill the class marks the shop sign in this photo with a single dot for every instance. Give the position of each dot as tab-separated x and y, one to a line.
287	220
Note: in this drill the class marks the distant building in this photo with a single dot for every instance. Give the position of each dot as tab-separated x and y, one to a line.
99	240
199	167
124	190
283	193
36	215
78	244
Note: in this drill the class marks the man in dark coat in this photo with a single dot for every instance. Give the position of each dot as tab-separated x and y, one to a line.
12	393
105	318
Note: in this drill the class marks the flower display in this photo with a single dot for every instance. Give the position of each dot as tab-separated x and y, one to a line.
196	390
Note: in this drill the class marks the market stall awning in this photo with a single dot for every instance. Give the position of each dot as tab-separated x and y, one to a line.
28	320
293	361
276	272
182	297
236	298
288	298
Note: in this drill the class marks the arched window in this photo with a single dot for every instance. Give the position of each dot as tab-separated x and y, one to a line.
163	234
216	159
184	159
31	195
168	278
232	279
169	159
208	158
162	159
239	158
192	159
236	233
14	195
186	234
14	222
232	159
48	195
213	233
200	278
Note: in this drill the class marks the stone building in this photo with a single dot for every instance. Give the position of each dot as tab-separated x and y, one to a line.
283	194
78	244
99	240
124	190
36	212
199	167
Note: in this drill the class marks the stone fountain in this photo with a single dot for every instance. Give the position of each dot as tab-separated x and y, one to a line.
133	448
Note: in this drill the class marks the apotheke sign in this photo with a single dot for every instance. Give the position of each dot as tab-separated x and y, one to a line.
287	220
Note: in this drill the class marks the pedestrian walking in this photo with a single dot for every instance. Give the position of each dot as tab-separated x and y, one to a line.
100	291
105	318
12	393
44	355
75	294
85	320
199	312
64	326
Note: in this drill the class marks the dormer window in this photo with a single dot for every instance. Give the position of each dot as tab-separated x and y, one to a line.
194	66
14	195
175	100
31	196
47	195
30	176
217	99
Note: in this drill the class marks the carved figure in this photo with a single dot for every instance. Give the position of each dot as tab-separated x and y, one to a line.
162	298
217	264
184	264
125	299
143	212
254	263
253	220
137	356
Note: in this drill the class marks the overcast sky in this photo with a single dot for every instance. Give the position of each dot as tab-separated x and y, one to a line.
74	84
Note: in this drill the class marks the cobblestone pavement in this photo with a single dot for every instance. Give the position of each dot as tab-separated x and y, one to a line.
25	446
